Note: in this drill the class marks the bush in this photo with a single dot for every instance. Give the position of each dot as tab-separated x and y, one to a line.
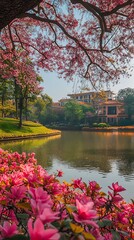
36	205
102	125
95	124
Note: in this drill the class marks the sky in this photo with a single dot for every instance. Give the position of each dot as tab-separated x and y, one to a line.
58	88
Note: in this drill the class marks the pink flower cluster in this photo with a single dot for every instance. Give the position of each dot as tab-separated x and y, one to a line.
37	206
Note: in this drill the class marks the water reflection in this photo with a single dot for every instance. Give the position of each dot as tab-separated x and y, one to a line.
108	156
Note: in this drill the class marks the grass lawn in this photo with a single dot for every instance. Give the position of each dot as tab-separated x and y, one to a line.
9	128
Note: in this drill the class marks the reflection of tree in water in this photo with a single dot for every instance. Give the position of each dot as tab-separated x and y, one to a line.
83	150
125	164
36	145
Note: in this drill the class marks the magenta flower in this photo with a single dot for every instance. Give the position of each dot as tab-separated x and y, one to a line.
8	230
17	192
122	218
60	173
116	188
94	186
108	236
38	194
37	231
85	213
48	215
78	183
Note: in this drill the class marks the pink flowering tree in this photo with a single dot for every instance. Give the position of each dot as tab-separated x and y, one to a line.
21	70
36	205
88	39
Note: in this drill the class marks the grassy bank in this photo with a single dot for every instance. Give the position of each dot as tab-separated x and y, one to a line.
9	129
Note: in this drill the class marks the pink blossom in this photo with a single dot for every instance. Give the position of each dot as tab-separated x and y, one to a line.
78	183
48	215
116	188
122	218
1	150
115	197
38	194
37	231
85	213
8	230
55	188
108	236
60	173
17	192
94	186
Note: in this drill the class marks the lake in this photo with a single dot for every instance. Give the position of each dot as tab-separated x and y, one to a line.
100	156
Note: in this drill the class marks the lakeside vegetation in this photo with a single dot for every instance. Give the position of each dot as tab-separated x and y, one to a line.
9	128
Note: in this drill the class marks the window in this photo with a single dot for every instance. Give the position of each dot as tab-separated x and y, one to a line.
112	110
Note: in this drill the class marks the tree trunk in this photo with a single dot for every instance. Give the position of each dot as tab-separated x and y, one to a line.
2	103
16	99
26	109
20	113
11	9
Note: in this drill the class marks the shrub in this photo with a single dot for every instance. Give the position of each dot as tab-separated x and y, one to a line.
102	125
95	124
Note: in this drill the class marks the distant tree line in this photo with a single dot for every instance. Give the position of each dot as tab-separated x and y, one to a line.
127	97
38	106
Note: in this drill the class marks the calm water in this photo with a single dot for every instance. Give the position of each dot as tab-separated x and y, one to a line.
104	157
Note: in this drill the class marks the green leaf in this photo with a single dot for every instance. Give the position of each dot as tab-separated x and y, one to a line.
23	218
17	237
56	225
116	235
105	223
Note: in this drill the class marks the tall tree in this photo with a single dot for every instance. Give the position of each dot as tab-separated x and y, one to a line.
6	92
127	96
89	39
19	67
73	113
39	108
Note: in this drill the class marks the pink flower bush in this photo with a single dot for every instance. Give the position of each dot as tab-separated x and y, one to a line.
37	206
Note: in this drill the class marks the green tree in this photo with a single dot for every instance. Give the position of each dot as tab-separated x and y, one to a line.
6	93
73	113
127	96
39	108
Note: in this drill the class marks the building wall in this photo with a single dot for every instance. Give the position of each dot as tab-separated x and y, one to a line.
111	113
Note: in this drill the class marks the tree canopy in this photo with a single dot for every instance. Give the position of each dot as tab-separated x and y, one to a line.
90	40
127	96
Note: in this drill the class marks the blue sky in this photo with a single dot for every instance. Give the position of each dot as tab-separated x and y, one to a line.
58	88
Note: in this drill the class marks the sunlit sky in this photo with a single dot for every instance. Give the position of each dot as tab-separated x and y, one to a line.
58	88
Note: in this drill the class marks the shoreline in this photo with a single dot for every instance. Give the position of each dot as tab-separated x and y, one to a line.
29	136
96	129
109	129
58	132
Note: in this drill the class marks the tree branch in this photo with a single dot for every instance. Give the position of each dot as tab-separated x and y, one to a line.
46	20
